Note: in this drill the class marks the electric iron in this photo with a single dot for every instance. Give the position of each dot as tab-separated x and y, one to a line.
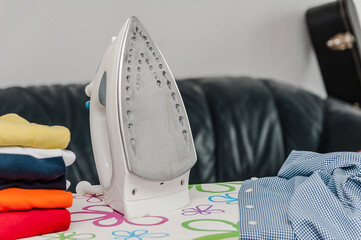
141	138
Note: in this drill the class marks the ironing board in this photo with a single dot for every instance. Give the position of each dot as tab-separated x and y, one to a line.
212	214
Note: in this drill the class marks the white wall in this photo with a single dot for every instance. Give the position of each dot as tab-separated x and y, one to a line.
62	41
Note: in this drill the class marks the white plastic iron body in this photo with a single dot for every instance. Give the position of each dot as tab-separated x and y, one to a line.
141	138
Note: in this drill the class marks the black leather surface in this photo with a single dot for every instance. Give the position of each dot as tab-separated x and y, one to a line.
301	116
342	128
202	131
247	129
242	127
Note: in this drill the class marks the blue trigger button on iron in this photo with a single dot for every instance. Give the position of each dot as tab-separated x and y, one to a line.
87	104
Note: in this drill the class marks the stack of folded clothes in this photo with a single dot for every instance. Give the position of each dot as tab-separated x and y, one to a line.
33	197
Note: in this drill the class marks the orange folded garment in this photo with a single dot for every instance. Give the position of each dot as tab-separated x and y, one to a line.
17	199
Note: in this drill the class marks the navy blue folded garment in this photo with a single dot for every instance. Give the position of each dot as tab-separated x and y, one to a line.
28	172
314	196
59	183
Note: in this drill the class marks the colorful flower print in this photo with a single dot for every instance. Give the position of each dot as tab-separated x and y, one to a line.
104	216
69	236
90	198
222	187
228	198
225	229
137	235
204	209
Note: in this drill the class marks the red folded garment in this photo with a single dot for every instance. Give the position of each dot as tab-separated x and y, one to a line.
22	224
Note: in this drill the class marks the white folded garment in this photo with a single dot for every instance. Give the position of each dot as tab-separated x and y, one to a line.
68	156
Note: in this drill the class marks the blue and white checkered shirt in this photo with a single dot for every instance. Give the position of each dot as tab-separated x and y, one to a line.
314	196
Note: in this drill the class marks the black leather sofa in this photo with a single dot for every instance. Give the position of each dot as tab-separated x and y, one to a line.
242	127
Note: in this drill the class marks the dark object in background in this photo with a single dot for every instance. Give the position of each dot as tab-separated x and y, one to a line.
336	37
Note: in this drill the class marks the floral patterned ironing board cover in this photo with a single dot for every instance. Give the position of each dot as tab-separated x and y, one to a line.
212	214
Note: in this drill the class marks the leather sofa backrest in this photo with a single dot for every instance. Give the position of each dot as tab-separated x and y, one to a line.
241	127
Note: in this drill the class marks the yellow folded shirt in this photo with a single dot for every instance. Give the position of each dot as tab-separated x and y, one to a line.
16	131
